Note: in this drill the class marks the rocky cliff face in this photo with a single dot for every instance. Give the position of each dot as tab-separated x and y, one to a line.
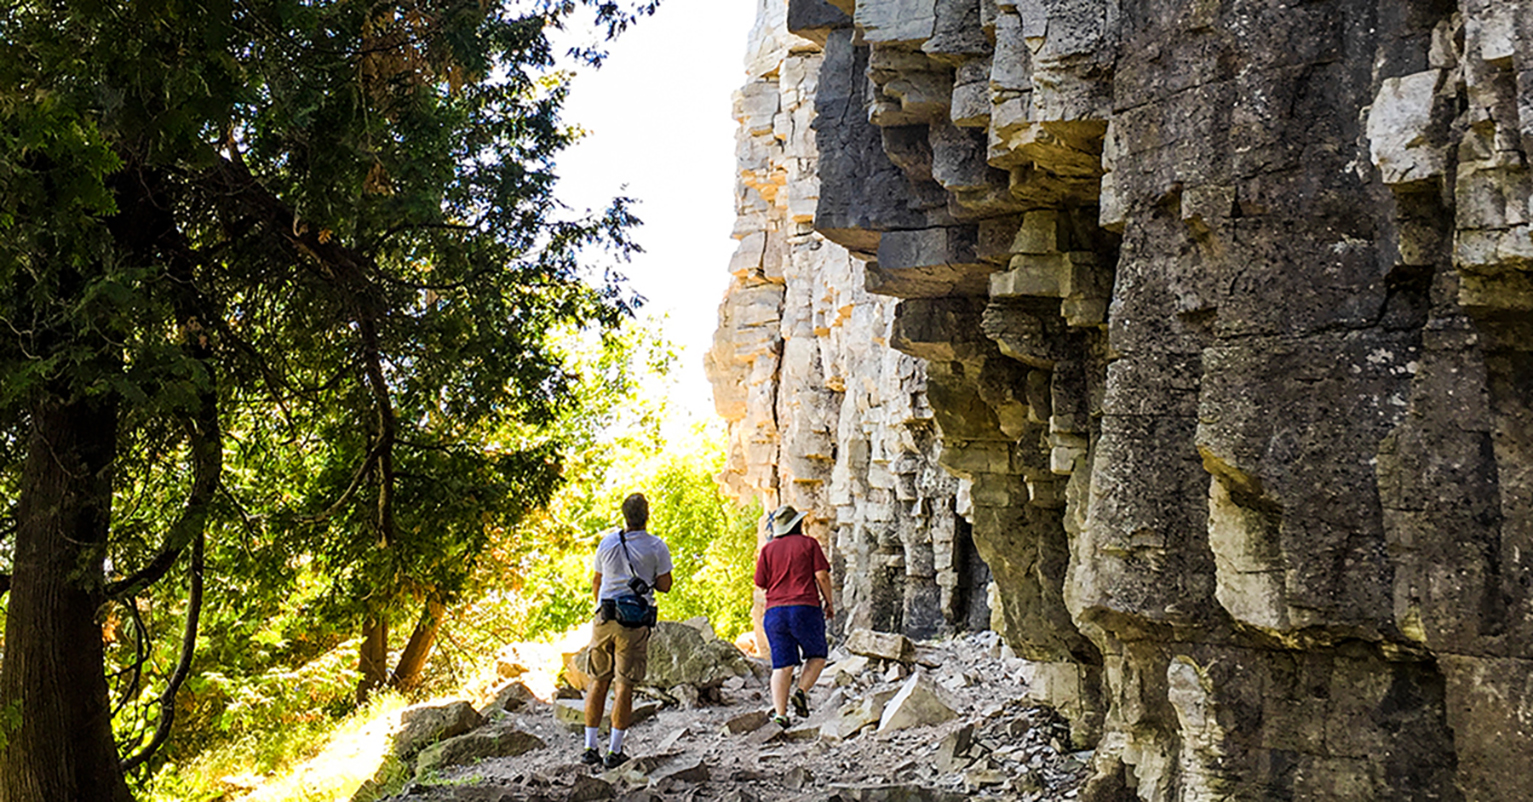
1223	312
823	414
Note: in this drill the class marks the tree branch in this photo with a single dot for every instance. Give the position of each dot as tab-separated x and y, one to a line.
183	666
350	273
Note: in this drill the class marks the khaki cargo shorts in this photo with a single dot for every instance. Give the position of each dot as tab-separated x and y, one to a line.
620	650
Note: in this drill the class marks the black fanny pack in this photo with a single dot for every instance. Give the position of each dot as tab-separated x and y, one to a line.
629	611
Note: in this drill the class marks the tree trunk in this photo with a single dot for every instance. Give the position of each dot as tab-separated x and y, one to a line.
373	662
54	711
412	662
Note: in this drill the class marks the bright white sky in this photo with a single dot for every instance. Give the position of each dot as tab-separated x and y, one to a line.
659	113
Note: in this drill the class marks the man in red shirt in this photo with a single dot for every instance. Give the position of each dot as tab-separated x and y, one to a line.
793	571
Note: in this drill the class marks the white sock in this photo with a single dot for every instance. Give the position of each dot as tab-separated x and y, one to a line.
593	737
617	740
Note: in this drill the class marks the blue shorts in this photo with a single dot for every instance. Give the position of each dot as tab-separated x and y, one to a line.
795	632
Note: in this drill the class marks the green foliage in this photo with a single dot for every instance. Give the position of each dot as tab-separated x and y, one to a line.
535	581
712	541
309	254
213	773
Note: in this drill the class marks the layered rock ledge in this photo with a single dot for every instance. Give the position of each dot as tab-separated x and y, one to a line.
1217	318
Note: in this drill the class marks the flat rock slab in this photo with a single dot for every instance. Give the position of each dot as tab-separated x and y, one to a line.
882	645
692	769
590	789
747	722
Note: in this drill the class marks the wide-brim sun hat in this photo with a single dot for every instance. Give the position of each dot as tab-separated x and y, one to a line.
784	519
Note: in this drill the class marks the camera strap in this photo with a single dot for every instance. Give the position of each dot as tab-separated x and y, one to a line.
622	538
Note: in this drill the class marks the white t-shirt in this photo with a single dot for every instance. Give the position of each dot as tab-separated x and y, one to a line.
651	558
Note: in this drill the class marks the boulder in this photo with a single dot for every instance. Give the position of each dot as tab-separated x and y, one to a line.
765	735
701	624
483	743
916	705
882	645
424	724
576	673
685	655
680	653
510	697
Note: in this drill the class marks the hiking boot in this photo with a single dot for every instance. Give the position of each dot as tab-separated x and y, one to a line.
800	703
591	757
781	721
615	759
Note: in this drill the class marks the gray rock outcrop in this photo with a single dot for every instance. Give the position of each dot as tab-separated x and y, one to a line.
823	415
486	742
424	724
1218	317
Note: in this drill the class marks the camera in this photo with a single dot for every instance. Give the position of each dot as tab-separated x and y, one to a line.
638	586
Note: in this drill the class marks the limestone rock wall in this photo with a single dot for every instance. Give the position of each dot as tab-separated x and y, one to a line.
823	414
1225	317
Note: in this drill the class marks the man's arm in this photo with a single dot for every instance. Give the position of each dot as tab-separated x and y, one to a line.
663	582
822	579
596	586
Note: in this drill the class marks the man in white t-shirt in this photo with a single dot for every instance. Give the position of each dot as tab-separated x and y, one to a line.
617	648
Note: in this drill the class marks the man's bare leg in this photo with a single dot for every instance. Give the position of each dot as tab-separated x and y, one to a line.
622	705
596	701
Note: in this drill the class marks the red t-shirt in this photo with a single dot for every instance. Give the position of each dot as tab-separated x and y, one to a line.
786	570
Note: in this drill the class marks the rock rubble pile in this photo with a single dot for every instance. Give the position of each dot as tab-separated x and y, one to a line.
894	720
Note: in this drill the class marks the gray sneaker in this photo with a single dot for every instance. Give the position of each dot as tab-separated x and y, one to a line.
800	703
